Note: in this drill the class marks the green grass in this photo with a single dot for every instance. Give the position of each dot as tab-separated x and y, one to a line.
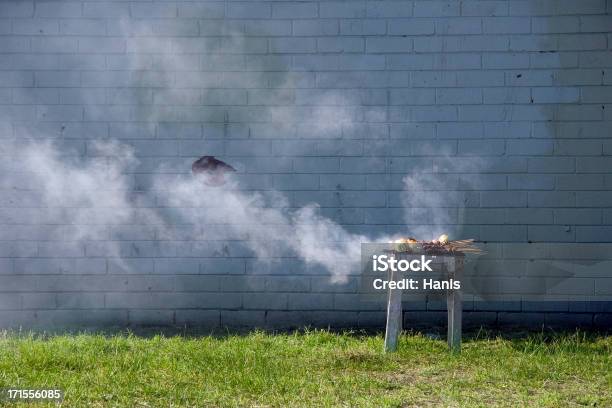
315	368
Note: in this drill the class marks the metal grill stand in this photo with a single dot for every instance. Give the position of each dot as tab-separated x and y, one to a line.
452	267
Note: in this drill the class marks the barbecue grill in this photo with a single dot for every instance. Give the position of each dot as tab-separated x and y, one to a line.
448	259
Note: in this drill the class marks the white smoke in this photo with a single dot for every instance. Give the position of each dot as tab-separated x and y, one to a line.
437	196
82	199
91	198
268	228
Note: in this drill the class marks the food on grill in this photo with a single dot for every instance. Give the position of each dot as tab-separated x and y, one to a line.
443	239
406	244
212	169
408	240
440	246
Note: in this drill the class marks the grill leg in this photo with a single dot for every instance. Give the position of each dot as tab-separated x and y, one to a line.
454	305
394	317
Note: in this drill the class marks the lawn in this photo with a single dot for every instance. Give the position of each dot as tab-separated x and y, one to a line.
316	368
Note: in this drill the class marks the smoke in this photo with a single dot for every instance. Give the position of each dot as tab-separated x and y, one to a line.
269	228
93	196
76	199
437	195
90	198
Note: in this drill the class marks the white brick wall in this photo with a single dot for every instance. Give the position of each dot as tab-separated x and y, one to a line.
521	86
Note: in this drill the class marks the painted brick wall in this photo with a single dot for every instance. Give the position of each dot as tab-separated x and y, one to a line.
506	105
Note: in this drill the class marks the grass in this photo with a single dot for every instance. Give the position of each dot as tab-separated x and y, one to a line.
316	368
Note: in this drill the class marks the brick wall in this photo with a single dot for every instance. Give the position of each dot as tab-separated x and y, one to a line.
504	106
